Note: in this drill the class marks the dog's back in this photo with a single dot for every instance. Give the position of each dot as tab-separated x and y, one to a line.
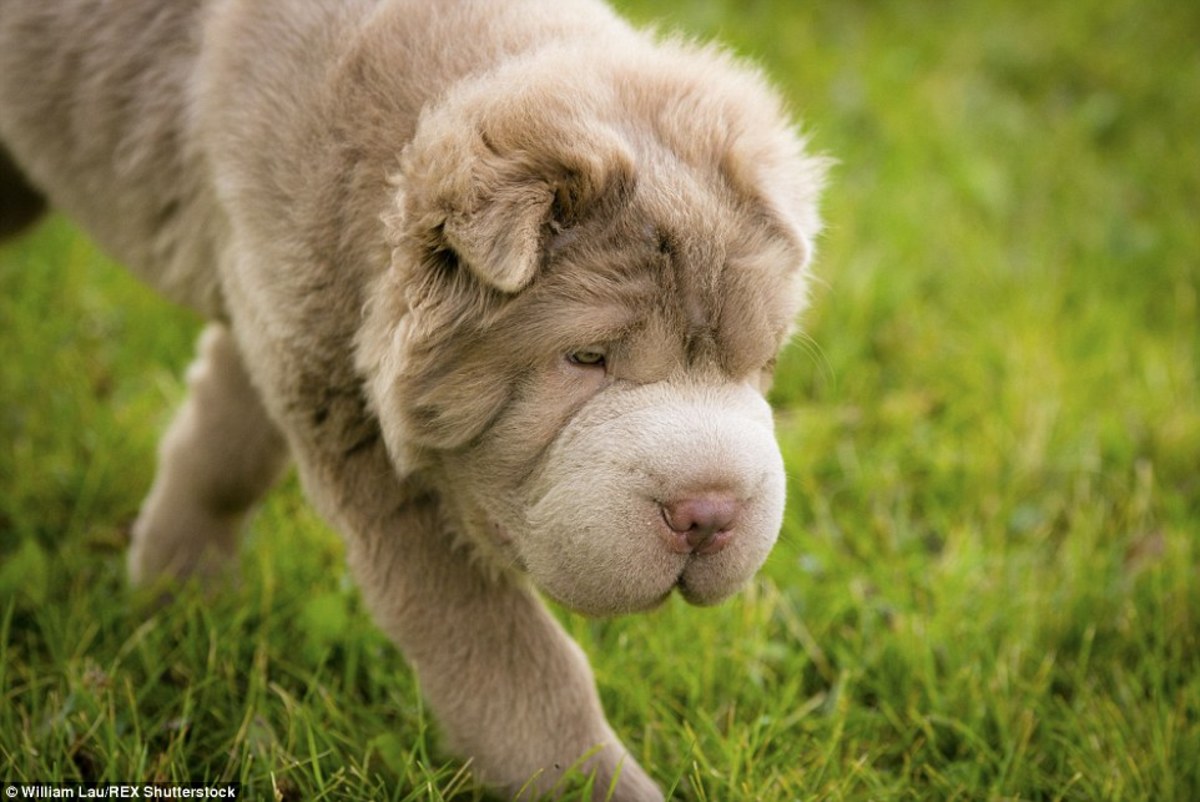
93	107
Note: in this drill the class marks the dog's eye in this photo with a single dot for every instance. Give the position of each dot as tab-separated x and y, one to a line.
588	357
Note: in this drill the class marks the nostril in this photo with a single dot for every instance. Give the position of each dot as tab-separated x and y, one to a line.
698	522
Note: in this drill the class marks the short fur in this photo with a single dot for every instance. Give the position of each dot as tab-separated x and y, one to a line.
504	280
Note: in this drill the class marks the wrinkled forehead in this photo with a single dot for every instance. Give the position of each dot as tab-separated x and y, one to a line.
674	282
731	287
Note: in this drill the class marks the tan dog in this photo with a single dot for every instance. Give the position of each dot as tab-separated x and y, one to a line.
505	280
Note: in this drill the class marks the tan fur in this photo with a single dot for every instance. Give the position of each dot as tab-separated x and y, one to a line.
405	217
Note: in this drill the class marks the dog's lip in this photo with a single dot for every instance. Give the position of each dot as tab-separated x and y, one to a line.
689	593
681	582
681	585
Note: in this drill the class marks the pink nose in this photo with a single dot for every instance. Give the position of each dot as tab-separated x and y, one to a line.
702	524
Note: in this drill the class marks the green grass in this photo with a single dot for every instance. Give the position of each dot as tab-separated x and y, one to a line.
988	586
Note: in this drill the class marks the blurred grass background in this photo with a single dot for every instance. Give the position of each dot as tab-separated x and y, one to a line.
988	586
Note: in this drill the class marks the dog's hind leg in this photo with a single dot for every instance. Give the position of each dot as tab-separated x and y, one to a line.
20	204
219	457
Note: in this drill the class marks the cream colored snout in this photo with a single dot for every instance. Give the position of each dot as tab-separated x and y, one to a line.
654	488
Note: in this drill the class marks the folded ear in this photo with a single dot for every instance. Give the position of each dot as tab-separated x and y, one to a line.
494	188
498	229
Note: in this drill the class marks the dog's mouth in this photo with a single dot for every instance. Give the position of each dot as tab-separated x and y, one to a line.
698	577
701	583
681	584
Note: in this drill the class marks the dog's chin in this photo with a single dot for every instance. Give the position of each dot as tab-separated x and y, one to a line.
698	587
610	607
624	592
604	592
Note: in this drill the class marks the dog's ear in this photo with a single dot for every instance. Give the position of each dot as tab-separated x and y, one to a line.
495	194
499	226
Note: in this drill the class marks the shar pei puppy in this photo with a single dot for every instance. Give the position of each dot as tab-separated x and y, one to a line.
504	281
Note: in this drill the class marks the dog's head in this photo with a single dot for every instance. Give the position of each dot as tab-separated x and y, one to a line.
594	268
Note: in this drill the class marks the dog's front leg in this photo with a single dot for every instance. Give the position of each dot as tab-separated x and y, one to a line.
512	691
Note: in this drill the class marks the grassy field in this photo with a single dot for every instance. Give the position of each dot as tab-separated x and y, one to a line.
988	586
